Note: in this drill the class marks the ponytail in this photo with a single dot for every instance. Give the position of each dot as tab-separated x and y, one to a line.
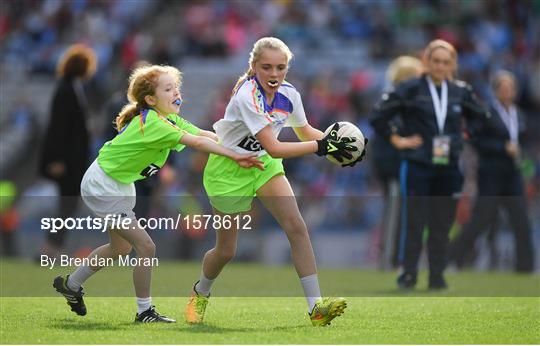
249	73
127	113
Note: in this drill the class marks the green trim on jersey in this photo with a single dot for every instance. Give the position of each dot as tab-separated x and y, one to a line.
141	148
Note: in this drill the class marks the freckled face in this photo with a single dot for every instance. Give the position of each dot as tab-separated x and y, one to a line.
165	100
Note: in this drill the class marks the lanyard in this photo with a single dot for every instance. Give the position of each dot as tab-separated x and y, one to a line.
509	119
439	104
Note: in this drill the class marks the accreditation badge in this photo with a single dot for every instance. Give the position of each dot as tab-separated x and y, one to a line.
441	150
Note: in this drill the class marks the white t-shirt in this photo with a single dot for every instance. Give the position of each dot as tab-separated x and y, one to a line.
247	113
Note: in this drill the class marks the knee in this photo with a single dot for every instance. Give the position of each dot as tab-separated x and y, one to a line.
295	228
146	248
123	250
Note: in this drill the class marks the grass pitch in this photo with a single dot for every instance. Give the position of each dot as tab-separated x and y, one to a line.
379	315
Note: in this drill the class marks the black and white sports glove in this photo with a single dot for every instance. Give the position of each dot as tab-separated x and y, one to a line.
360	158
337	148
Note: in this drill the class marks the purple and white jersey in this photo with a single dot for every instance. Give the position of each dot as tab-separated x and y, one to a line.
248	112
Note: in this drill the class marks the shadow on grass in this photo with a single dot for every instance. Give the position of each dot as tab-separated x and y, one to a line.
210	328
69	324
307	325
85	325
215	329
417	292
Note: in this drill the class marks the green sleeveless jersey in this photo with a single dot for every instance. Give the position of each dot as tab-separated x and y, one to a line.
141	148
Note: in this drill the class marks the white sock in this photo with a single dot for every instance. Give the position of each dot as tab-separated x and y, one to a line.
310	284
204	285
143	304
79	276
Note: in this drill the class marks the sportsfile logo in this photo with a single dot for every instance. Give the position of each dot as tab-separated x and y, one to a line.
121	221
54	224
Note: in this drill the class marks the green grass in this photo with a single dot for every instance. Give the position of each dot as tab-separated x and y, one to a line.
277	321
377	314
171	279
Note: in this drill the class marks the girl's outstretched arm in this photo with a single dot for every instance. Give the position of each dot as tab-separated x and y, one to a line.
208	145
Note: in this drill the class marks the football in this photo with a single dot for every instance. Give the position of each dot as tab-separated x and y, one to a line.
347	129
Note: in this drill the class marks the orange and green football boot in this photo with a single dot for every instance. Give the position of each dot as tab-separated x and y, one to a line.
196	307
326	309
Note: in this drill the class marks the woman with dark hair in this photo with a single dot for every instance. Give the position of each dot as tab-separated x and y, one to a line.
66	148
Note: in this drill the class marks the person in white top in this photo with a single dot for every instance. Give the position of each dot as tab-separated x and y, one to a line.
262	103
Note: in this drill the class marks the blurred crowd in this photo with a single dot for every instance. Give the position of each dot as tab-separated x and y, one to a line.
488	35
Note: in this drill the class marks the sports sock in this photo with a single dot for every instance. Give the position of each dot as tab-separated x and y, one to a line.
79	276
143	304
312	292
204	285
